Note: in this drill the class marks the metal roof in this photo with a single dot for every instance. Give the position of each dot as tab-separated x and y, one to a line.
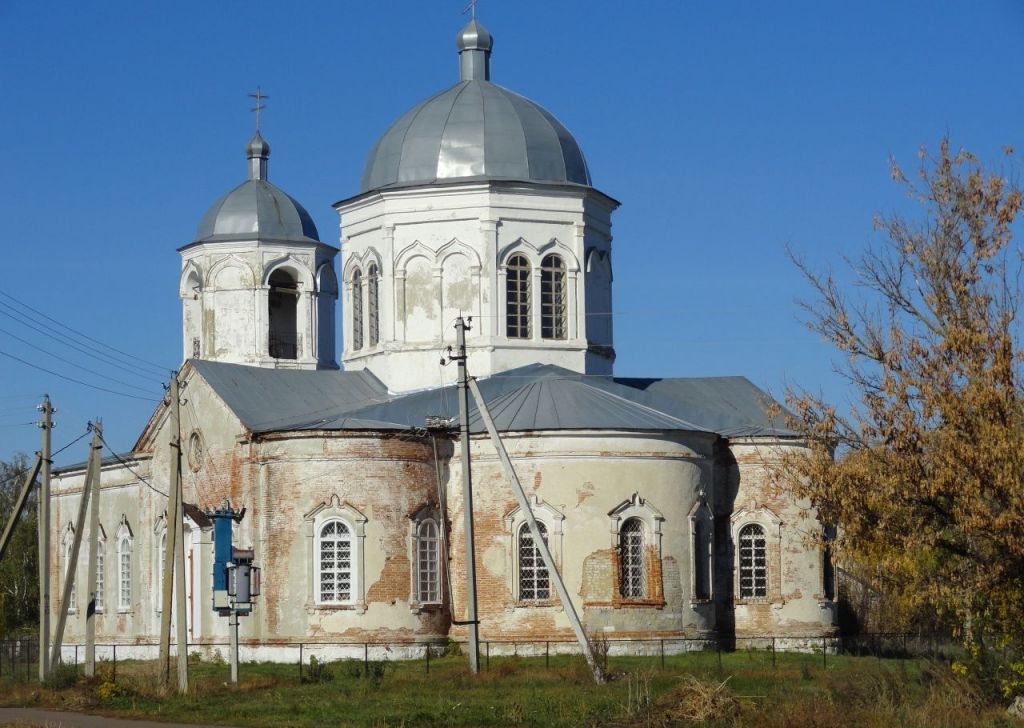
532	398
283	399
475	130
256	208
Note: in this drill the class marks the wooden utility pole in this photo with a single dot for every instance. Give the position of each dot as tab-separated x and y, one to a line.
539	541
92	472
43	515
467	499
174	554
94	542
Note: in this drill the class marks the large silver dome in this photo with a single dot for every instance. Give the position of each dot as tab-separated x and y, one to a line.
475	130
257	209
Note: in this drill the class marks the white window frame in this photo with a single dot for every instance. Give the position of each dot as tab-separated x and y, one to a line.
522	295
336	510
423	517
101	565
704	551
124	548
554	283
636	507
537	569
356	287
373	304
772	526
554	521
67	541
159	556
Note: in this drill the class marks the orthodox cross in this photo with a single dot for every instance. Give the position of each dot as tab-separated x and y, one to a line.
471	6
259	106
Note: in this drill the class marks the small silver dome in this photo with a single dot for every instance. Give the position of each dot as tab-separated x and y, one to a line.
475	130
256	208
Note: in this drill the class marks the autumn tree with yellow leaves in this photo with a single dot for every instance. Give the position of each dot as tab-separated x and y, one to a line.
923	474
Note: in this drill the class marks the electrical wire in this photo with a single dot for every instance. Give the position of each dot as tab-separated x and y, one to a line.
88	429
130	469
76	381
74	364
159	367
99	356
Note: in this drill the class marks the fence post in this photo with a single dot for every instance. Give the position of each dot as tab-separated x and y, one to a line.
300	662
718	649
547	647
663	654
487	646
366	659
427	648
824	653
773	651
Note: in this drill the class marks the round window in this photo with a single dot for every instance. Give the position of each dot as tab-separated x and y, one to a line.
196	450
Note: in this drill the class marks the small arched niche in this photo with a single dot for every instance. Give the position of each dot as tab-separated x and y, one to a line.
282	310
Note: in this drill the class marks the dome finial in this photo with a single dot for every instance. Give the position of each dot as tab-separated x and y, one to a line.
258	150
474	44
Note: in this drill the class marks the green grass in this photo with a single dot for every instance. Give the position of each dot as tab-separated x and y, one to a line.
796	691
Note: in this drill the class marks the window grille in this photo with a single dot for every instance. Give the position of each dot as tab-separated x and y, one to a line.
517	298
99	577
632	576
534	581
124	599
357	310
372	304
282	312
335	563
428	580
552	298
196	350
753	562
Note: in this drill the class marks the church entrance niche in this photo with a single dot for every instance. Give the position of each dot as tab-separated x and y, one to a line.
283	309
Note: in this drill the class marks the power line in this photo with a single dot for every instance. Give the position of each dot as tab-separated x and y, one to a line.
158	367
76	381
68	361
88	429
130	469
88	351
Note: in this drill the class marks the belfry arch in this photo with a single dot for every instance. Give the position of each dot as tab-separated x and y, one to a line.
282	315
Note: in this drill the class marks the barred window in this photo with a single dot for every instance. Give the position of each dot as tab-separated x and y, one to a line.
99	577
334	562
124	557
372	304
534	581
428	577
517	298
753	562
632	576
552	298
357	309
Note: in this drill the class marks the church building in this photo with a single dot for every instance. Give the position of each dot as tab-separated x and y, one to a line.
654	494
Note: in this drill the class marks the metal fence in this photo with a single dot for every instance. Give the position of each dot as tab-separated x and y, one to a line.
19	658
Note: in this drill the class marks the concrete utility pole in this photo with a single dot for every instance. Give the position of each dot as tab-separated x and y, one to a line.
44	541
171	556
92	472
539	542
467	498
94	542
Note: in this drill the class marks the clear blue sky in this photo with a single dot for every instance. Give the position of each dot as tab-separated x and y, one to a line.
727	129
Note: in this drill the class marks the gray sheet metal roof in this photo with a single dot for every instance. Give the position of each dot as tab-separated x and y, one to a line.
257	208
283	399
532	398
475	130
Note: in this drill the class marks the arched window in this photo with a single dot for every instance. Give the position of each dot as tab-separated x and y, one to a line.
552	298
632	575
373	304
357	309
161	557
99	576
517	298
334	563
428	576
73	598
124	559
282	314
534	582
753	554
701	559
